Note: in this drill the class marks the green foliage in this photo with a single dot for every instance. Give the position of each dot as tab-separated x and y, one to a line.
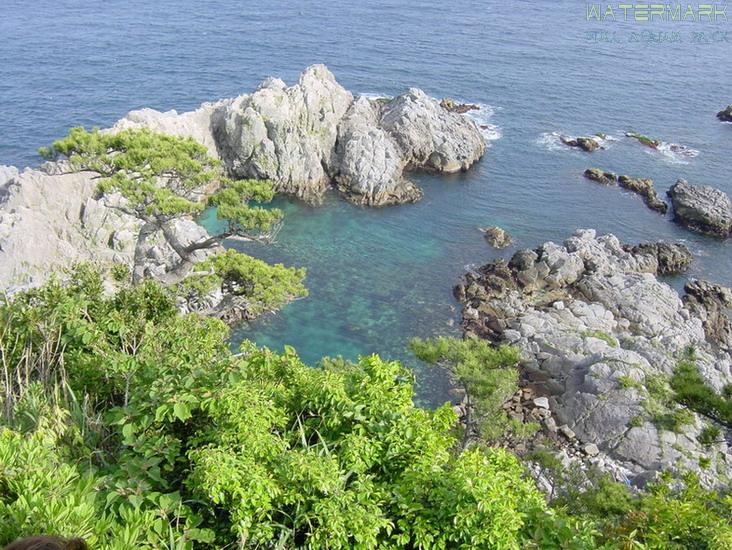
200	447
710	435
265	286
645	140
488	374
164	177
691	390
121	273
670	514
600	335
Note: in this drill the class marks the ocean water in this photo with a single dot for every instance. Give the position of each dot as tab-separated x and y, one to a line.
380	276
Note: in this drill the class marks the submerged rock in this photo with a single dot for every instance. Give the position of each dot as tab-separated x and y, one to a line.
701	208
642	187
598	332
725	115
497	237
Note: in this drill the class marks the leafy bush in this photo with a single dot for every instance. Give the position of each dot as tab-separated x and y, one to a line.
265	286
201	447
488	374
691	390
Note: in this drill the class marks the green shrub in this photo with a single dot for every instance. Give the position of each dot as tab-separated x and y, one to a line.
691	390
487	373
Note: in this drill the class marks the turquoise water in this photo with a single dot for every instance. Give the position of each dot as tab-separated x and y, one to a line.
380	276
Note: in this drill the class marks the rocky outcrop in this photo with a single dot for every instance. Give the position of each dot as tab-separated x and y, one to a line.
671	258
305	138
644	188
639	186
725	115
197	124
600	337
314	134
497	237
52	218
586	143
285	134
600	176
429	136
701	208
371	165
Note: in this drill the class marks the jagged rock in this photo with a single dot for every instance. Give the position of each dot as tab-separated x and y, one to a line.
709	302
371	167
283	134
600	176
430	137
701	208
725	115
671	258
586	143
497	237
456	107
644	188
619	323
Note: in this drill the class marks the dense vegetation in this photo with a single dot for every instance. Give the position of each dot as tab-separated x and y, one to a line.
161	179
133	426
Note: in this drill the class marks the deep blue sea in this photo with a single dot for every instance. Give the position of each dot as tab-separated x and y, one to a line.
378	277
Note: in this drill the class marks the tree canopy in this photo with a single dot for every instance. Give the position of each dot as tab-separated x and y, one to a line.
162	178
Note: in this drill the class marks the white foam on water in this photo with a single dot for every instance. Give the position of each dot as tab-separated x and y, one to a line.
482	117
552	141
674	153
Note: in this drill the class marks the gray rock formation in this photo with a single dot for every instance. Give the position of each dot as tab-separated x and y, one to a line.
701	208
725	115
283	134
600	335
304	138
371	165
429	136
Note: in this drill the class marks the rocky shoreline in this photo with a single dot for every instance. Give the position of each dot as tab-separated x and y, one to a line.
305	139
600	337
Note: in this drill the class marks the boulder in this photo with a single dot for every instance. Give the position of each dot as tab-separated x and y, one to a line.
701	208
497	237
725	115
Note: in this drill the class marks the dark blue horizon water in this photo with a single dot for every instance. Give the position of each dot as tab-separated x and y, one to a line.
380	276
